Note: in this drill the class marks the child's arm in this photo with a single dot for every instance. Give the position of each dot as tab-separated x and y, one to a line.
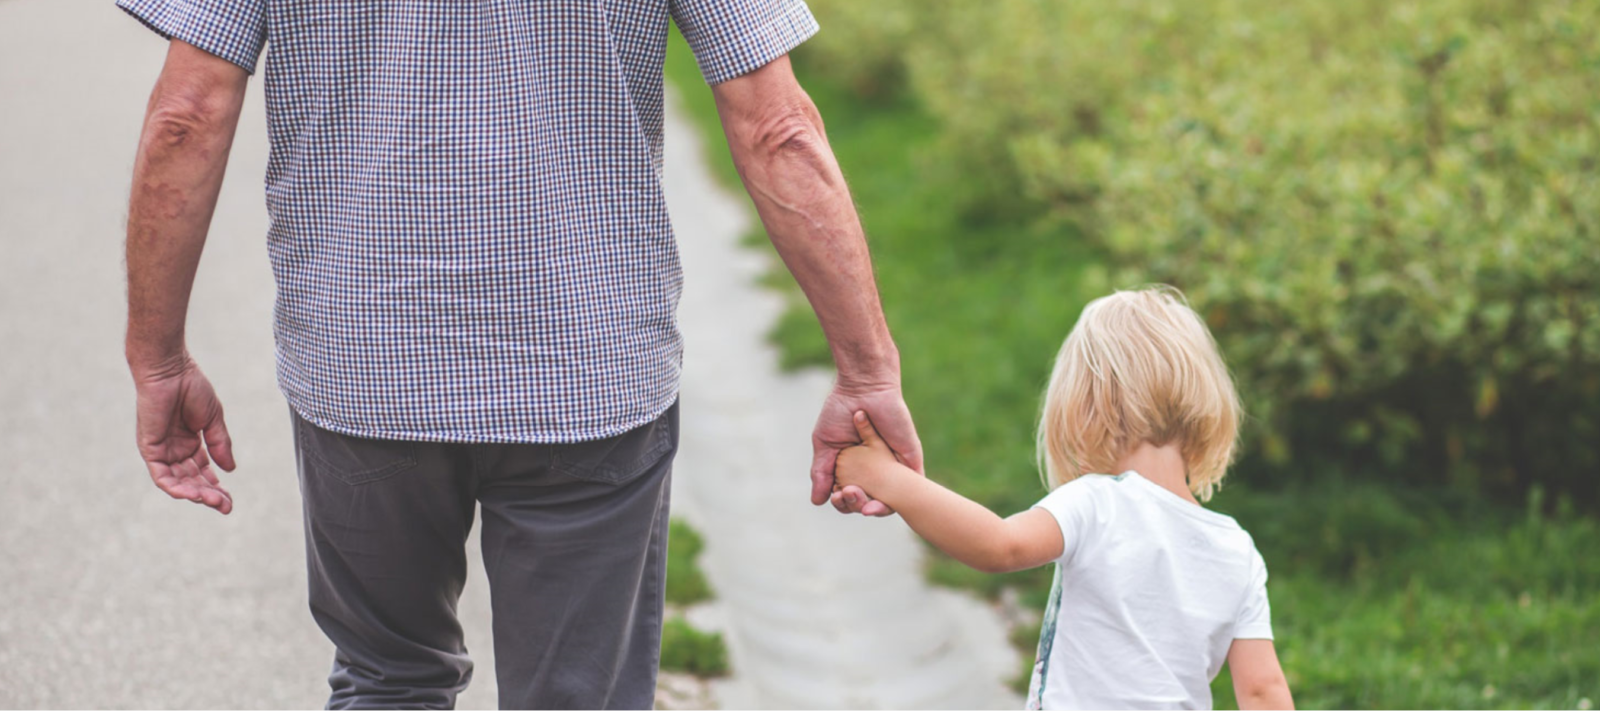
1257	678
955	524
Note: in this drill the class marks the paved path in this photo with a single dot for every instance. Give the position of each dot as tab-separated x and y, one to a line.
824	611
118	596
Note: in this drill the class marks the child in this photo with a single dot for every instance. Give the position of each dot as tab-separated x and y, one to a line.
1152	591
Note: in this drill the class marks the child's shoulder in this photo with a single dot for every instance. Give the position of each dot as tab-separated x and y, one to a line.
1087	492
1131	490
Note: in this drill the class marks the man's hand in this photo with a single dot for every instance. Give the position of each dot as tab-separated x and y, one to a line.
870	465
183	154
178	412
836	430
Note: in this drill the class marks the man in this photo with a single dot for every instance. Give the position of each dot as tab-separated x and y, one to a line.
476	292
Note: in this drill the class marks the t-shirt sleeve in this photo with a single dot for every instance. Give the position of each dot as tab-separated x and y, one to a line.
1072	504
731	38
235	30
1255	614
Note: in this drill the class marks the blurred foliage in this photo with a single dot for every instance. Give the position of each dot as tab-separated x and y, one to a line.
1396	600
1013	159
686	649
1388	212
686	583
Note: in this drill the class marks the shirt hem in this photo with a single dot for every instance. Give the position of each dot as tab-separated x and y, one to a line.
552	437
1067	542
1253	633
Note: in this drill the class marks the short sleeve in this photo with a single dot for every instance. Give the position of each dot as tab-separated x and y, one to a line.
1072	504
1255	614
235	30
731	38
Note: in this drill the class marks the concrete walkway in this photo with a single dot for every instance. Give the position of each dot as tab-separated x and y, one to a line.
823	610
117	596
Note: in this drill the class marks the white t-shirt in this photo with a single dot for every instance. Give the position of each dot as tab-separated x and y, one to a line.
1150	592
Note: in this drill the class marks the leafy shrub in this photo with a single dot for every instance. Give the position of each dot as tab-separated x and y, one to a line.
861	45
1384	595
1389	213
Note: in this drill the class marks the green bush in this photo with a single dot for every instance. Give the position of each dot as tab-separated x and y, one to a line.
861	45
1389	213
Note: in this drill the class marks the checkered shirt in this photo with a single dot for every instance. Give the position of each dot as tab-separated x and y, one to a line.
468	229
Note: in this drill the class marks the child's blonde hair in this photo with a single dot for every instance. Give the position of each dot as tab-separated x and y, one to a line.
1140	366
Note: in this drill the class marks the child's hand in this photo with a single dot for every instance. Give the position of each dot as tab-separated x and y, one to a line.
866	464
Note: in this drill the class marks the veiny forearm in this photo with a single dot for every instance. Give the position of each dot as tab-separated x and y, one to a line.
782	152
183	153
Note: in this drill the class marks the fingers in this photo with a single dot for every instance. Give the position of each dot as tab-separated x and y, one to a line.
214	497
855	500
839	502
843	501
869	434
219	443
822	460
901	434
852	500
876	509
217	498
188	481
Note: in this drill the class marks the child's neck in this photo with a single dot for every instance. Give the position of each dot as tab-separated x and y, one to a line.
1162	465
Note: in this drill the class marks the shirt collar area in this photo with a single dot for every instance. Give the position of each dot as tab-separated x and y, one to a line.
1176	503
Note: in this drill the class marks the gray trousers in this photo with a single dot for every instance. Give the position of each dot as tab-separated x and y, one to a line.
574	542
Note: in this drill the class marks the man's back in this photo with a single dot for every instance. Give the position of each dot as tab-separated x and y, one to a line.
476	284
468	229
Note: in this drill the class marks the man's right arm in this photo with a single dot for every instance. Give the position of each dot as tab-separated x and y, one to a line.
183	152
782	153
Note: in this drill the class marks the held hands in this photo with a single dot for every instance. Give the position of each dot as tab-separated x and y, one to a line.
178	411
867	465
837	431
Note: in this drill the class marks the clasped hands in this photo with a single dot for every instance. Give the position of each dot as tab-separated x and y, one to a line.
886	416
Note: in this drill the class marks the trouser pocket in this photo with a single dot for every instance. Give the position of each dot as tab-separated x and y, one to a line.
350	459
618	460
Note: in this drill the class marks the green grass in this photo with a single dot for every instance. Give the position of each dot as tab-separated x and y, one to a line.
1494	612
686	583
1383	595
684	648
691	651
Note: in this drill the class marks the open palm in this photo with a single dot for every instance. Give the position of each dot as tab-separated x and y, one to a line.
180	434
